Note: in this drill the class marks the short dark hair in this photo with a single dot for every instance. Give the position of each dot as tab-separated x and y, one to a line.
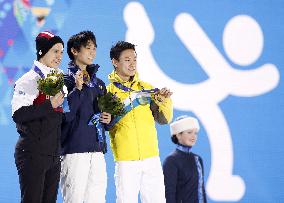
119	47
80	40
174	139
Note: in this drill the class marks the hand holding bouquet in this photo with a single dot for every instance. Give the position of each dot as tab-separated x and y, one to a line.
107	103
53	85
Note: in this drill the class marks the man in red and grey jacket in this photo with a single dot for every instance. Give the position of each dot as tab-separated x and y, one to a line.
38	120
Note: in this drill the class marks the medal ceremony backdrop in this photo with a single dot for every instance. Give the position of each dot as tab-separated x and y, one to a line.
222	59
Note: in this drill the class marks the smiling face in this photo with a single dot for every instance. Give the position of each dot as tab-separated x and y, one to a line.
125	66
86	55
187	137
53	57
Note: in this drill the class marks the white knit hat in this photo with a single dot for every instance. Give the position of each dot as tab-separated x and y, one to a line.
183	123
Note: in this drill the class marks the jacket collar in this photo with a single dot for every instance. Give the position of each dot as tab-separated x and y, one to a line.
183	148
44	69
114	77
91	69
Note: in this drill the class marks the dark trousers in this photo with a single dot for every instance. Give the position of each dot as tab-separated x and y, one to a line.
38	176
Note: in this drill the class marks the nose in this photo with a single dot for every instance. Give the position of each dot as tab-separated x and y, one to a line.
59	55
132	63
94	52
59	58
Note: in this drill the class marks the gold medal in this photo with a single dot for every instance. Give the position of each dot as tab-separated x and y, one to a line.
86	77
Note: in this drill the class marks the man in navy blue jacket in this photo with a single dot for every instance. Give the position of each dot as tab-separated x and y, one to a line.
183	170
83	173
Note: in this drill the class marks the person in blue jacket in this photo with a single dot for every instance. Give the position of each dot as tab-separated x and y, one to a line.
183	170
83	173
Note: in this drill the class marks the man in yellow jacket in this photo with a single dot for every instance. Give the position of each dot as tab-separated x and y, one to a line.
133	137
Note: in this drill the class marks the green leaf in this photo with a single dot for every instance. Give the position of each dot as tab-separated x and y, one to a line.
110	103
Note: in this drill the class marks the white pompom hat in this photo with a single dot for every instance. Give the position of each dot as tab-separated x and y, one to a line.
183	123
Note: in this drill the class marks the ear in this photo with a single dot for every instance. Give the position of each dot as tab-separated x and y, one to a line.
178	136
74	51
114	62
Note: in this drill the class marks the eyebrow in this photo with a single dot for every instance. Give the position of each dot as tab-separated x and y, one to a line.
129	57
89	46
90	43
58	49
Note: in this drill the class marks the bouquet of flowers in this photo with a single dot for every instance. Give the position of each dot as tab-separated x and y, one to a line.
51	84
110	103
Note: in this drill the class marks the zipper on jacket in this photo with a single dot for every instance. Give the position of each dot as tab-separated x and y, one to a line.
133	117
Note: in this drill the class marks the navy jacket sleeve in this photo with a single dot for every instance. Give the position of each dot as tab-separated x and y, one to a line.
110	125
32	112
203	187
74	99
170	175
